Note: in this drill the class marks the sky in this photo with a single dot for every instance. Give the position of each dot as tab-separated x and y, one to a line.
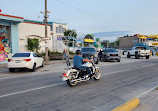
92	16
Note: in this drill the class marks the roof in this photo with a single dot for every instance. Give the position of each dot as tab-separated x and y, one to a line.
35	22
11	18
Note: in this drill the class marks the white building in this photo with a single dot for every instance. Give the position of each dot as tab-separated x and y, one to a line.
58	32
35	29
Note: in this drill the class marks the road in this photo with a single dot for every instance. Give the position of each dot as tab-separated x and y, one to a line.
44	90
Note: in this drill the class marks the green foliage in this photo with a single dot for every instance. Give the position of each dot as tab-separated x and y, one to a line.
91	35
33	44
115	44
71	33
71	52
105	43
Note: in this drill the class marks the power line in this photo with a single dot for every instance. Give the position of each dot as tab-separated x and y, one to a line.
80	10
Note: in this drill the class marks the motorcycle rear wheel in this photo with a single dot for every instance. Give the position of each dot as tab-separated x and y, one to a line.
97	74
70	82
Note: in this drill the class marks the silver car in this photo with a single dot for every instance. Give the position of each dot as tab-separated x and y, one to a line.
110	54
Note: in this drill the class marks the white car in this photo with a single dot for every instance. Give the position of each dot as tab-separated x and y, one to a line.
28	60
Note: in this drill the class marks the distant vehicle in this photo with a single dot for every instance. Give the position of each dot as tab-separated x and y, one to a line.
87	52
138	51
27	60
110	54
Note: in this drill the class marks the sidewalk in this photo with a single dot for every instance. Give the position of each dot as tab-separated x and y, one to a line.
56	65
148	102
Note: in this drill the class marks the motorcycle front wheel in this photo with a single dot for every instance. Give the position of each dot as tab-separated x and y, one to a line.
97	74
70	81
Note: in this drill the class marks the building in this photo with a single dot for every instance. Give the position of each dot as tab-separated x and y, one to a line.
15	31
127	42
33	29
58	30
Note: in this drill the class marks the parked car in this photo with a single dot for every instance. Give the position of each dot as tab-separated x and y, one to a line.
27	60
87	52
110	54
138	51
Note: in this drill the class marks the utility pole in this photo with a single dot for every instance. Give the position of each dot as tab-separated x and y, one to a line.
46	36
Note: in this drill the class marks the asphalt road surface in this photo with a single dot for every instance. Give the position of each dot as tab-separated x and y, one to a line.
45	91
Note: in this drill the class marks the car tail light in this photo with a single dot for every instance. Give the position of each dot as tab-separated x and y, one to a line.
9	60
27	60
139	51
64	74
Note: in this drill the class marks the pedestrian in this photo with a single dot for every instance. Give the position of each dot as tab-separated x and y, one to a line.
65	54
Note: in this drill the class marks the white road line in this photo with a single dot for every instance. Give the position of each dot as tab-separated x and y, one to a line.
30	90
127	69
35	73
64	83
142	94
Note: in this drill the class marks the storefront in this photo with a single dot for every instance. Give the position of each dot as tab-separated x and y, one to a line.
9	36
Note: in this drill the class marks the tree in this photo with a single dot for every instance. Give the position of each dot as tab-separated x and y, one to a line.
69	34
115	44
105	43
33	44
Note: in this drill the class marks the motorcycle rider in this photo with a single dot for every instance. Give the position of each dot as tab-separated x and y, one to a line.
78	59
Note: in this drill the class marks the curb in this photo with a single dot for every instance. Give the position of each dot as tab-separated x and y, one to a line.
128	106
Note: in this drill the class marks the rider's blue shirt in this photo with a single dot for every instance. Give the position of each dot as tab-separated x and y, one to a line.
78	61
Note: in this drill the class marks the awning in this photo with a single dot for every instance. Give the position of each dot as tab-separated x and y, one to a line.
153	36
89	40
142	36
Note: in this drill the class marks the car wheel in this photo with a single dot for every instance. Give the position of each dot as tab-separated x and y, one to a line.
96	62
118	60
128	55
33	68
11	69
147	57
105	60
137	56
42	64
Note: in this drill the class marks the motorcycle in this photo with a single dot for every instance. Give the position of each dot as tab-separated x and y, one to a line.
73	76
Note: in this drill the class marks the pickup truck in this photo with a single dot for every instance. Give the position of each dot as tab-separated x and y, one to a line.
138	51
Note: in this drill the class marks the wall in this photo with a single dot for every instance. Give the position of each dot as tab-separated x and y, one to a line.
58	45
14	38
33	30
127	41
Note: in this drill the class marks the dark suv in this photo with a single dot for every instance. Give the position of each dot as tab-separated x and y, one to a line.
87	52
110	54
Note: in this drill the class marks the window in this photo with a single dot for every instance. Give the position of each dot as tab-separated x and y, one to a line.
34	55
38	55
110	50
57	29
21	55
60	29
88	50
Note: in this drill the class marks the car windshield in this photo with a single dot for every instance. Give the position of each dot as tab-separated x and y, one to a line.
110	50
141	48
88	50
21	55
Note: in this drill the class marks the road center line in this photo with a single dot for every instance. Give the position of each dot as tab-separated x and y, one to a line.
63	83
127	69
31	90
